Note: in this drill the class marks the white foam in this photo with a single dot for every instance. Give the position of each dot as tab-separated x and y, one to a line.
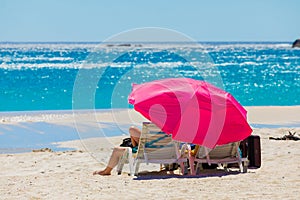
192	52
44	46
14	66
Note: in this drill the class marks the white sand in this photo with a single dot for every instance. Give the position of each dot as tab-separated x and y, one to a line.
58	175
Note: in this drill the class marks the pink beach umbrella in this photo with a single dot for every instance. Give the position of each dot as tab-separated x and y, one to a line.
192	111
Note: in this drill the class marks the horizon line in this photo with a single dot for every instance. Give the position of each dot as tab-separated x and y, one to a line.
203	41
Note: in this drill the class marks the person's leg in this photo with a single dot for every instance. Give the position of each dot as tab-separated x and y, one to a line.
135	135
113	161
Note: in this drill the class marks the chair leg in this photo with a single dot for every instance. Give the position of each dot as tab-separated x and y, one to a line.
192	167
184	168
198	168
120	168
241	166
131	162
122	161
126	157
245	166
137	166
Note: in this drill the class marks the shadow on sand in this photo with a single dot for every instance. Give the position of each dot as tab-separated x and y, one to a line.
145	175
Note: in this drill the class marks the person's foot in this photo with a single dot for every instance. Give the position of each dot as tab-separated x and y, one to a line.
102	173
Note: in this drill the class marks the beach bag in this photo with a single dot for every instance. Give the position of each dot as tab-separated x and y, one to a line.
126	143
254	151
250	148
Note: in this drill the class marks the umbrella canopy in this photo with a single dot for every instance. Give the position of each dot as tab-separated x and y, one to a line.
192	111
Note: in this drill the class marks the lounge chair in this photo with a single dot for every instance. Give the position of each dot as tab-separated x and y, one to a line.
221	155
154	147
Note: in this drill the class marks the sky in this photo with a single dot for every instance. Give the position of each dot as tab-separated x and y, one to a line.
97	20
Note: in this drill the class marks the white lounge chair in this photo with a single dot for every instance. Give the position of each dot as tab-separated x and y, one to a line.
221	155
154	147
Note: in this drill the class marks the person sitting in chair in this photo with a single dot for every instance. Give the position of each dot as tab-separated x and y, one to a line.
135	134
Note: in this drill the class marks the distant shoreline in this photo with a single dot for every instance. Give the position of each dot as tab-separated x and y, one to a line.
133	42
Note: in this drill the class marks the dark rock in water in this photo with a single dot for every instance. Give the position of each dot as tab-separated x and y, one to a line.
42	150
124	45
119	45
296	43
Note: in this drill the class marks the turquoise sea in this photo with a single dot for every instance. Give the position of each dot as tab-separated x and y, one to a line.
45	81
41	76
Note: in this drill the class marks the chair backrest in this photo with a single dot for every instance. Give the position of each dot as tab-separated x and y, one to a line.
156	145
219	152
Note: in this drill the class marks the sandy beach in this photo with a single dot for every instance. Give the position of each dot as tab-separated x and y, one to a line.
75	76
68	174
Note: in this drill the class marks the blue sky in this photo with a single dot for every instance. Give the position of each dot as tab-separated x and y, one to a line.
92	20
